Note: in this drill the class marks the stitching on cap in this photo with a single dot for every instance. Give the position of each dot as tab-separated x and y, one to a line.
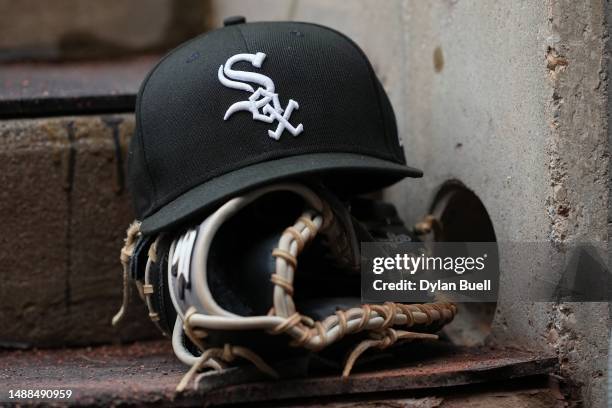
140	135
246	47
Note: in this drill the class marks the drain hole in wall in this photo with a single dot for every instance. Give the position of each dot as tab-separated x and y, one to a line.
465	219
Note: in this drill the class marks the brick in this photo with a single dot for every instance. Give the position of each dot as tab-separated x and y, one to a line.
33	241
65	210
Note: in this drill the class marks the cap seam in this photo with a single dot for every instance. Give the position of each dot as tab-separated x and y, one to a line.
246	46
140	135
373	76
141	92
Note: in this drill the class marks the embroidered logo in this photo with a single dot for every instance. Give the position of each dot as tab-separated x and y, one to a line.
263	102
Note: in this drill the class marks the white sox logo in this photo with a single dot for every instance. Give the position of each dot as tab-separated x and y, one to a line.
260	98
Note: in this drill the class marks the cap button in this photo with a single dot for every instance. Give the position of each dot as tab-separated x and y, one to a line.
233	20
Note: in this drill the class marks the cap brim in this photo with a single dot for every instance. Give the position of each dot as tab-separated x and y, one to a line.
352	172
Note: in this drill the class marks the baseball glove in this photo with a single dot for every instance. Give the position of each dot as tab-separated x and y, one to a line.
273	268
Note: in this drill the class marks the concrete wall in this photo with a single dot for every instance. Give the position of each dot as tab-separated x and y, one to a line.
510	98
518	114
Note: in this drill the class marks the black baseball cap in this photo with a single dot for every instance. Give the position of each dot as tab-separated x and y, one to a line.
250	104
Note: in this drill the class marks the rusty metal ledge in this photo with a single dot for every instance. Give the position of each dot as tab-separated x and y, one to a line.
135	374
426	366
147	373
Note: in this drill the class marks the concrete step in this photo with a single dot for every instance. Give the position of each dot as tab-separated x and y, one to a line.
74	29
64	203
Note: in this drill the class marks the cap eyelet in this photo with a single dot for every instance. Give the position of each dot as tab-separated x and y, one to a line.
234	20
